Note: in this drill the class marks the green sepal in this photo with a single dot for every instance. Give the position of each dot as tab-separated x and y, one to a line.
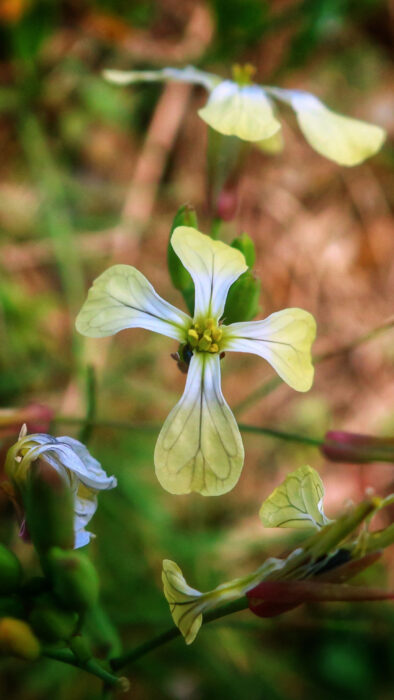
242	303
50	621
49	508
10	571
74	579
180	277
245	244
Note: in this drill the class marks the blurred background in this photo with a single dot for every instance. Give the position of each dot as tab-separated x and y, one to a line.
92	174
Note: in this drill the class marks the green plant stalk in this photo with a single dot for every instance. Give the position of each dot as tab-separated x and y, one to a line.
91	666
170	634
121	425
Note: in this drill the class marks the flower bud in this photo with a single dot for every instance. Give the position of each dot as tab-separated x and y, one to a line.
51	622
245	244
180	277
74	578
242	303
227	203
340	446
49	508
80	646
17	639
10	571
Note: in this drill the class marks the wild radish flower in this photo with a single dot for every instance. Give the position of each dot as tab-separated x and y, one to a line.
241	108
199	447
73	462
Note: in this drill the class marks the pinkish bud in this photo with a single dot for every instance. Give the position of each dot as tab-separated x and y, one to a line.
227	204
340	446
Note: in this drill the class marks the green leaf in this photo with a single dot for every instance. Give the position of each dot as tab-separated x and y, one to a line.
297	502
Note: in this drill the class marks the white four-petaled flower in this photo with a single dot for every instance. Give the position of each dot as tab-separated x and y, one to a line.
246	110
199	447
73	461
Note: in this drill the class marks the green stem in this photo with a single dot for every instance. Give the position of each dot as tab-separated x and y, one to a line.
140	651
122	425
290	437
92	666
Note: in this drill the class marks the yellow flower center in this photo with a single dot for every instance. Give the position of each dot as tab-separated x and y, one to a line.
243	75
205	336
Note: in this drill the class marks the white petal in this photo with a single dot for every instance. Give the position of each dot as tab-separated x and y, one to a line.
243	111
284	339
123	298
85	506
213	265
345	140
93	475
189	74
199	447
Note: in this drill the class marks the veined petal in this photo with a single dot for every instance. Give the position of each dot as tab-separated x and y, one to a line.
345	140
85	506
189	74
123	298
199	447
213	265
184	601
284	339
243	111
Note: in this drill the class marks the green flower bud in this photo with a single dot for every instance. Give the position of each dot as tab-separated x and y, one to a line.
49	508
245	244
180	277
17	639
51	622
10	571
74	578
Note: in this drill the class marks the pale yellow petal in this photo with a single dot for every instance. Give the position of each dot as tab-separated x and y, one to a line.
243	111
184	601
123	298
284	339
345	140
213	265
199	447
273	145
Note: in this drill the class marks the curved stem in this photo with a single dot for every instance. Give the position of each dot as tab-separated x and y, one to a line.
130	656
290	437
91	666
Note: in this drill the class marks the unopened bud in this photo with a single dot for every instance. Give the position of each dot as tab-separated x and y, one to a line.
340	446
17	639
49	508
227	204
245	244
10	571
74	578
51	622
80	646
242	303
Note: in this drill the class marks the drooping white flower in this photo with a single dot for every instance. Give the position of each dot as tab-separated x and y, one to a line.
241	108
73	461
199	447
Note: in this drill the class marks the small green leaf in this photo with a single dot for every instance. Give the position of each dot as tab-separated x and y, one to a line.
297	502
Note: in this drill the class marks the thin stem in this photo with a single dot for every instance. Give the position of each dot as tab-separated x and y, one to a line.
91	666
122	425
167	636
